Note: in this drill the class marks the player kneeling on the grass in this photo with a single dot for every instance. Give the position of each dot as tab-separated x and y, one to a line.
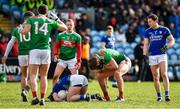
109	62
76	85
24	47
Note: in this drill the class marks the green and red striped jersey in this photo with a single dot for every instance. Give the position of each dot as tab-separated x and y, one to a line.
68	45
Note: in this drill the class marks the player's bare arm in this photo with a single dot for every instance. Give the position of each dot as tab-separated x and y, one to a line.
26	29
145	48
62	26
112	65
171	41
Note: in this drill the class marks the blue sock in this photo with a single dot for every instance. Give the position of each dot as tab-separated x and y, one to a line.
159	95
82	97
114	80
166	93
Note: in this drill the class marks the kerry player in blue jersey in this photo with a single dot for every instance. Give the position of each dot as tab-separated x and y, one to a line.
76	85
155	47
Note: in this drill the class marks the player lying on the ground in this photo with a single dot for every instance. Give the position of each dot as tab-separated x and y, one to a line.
76	85
109	62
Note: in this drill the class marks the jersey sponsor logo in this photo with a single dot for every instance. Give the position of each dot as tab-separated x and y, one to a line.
156	38
67	43
102	53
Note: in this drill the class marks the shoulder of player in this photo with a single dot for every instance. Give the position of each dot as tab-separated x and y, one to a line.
49	20
76	34
61	33
34	17
163	27
148	29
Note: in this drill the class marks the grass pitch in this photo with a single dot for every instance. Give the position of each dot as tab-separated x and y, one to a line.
138	95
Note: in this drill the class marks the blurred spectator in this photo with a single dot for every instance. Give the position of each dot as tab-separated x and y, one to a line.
138	53
130	35
85	56
120	35
172	29
83	23
3	44
108	40
88	34
141	28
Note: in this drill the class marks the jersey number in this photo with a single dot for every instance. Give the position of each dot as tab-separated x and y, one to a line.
43	28
23	38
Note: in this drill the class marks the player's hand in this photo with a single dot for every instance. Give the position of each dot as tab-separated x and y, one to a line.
4	58
164	49
55	58
78	64
52	16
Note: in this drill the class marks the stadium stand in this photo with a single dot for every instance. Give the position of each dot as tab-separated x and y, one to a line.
129	15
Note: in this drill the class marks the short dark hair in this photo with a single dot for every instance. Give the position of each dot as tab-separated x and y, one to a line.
153	17
93	63
43	9
109	27
28	14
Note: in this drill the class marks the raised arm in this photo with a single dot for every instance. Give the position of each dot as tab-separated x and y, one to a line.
26	29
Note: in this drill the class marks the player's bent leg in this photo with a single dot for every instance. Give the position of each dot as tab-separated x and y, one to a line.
163	70
156	76
43	70
74	93
58	71
83	90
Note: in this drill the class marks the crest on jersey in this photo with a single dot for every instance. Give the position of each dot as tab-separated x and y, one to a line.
102	53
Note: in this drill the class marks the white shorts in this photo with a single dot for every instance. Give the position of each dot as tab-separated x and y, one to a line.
78	80
128	62
155	60
68	63
23	60
38	56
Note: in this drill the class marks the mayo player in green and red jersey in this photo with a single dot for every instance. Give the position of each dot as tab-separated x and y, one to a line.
68	44
109	62
23	46
40	28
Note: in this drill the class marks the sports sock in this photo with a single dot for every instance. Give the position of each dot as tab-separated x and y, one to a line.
82	97
121	95
159	94
34	94
42	95
93	96
166	93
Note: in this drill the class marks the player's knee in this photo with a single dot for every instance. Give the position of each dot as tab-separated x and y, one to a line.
156	79
99	76
164	76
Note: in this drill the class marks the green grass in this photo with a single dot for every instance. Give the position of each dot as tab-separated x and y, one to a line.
138	95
